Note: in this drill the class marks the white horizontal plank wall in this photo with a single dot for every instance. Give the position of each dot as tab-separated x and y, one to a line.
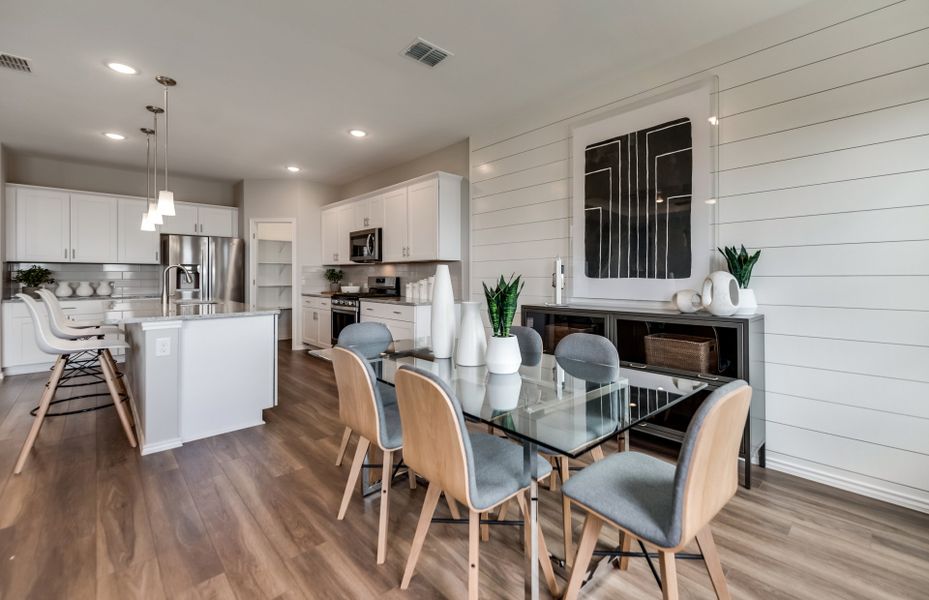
824	165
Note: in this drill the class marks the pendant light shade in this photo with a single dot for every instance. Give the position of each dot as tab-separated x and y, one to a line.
165	195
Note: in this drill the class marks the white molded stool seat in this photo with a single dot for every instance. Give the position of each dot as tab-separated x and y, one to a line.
66	328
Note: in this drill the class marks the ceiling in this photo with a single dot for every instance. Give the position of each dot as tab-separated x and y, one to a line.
262	85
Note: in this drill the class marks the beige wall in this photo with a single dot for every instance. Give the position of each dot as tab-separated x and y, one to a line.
74	174
451	159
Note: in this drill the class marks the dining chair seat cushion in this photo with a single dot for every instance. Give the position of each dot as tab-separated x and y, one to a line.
635	491
498	469
391	430
388	393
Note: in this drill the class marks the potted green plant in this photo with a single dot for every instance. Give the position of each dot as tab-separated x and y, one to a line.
32	278
740	264
334	277
503	348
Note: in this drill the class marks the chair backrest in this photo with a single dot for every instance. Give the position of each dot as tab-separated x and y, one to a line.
369	338
435	440
530	344
57	320
44	337
707	468
360	404
588	356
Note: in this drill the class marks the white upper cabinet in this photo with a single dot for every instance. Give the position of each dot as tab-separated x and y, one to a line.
94	227
217	220
420	221
38	225
135	246
184	221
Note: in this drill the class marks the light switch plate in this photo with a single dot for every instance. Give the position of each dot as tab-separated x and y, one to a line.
163	346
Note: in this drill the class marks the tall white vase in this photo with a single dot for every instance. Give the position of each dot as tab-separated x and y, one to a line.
443	314
472	343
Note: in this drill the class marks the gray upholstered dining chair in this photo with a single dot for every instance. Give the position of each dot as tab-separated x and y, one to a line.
479	470
362	408
530	344
370	339
663	505
593	358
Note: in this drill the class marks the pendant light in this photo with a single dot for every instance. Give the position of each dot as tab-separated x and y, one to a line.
165	196
147	222
153	213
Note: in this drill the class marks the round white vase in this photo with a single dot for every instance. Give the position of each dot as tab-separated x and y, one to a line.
748	305
720	294
104	289
63	290
686	301
472	342
83	290
443	314
503	355
503	390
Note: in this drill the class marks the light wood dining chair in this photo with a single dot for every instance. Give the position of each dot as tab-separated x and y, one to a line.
662	505
362	408
477	469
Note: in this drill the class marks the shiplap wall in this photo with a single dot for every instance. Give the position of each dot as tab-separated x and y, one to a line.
824	165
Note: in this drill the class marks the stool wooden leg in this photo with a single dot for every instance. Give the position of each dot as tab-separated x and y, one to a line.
485	528
566	521
474	520
585	551
346	435
353	473
625	544
411	475
597	453
452	507
425	519
386	473
668	576
124	386
713	566
117	399
44	403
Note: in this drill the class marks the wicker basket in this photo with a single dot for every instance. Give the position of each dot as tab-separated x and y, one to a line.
678	351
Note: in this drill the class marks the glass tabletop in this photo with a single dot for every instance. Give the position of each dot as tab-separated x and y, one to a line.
564	406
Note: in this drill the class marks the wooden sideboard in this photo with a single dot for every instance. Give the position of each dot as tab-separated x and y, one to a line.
740	355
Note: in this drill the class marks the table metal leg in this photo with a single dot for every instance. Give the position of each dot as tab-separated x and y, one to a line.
532	556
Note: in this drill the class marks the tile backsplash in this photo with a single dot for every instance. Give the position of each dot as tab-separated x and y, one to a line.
313	280
125	279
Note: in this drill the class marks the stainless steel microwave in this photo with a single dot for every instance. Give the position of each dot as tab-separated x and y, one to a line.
365	245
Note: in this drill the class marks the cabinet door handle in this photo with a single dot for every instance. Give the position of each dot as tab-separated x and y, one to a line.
637	365
707	377
195	228
156	256
72	253
66	253
397	312
370	309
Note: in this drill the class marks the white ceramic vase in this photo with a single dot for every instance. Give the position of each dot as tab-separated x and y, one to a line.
472	342
503	355
721	294
104	289
83	290
748	305
503	390
443	314
687	301
63	290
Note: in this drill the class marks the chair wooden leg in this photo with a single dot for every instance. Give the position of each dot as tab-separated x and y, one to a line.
353	474
411	475
485	528
386	477
625	544
668	576
44	403
123	385
346	436
552	480
566	520
117	399
597	453
711	557
425	519
452	507
474	521
504	509
585	550
548	572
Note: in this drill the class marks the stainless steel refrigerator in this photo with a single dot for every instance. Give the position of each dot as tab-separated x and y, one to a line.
216	263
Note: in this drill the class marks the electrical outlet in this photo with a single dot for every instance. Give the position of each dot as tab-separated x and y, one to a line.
163	346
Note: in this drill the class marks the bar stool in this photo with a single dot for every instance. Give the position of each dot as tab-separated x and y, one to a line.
67	350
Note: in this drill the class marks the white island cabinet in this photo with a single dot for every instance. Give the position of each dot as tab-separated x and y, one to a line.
197	369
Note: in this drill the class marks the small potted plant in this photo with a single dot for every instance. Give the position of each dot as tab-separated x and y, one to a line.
33	278
740	264
334	277
503	348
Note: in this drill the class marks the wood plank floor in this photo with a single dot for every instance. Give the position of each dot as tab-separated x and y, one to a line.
252	515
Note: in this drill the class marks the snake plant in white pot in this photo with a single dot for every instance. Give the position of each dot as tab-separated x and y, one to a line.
740	264
503	348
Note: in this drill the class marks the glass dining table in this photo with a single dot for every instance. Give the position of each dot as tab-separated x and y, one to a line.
555	406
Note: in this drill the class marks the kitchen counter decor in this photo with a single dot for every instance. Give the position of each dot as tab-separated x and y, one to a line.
740	264
503	348
443	314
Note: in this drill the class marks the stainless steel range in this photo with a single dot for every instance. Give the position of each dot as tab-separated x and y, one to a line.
346	308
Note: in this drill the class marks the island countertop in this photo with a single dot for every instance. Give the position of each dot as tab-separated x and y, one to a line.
151	309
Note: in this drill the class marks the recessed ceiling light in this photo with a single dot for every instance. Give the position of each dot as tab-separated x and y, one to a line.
122	68
359	133
293	169
115	136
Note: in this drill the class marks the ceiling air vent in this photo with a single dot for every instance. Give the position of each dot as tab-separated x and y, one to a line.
17	63
426	53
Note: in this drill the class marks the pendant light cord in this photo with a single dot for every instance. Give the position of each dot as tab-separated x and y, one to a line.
166	138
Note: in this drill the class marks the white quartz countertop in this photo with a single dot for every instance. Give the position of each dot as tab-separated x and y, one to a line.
95	297
400	300
150	309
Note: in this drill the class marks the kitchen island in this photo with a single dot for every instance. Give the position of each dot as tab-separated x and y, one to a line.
197	369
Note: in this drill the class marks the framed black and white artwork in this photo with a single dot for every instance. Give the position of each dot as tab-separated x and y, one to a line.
642	179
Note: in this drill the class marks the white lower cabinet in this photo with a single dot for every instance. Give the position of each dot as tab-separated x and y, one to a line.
21	353
405	322
316	321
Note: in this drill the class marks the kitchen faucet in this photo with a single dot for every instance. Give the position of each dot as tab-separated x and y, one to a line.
164	289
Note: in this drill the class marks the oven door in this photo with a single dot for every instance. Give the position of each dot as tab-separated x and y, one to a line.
365	245
342	317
